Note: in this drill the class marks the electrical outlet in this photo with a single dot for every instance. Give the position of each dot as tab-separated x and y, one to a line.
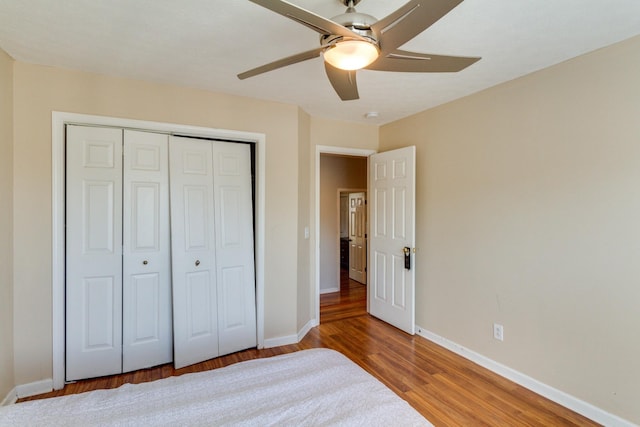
498	332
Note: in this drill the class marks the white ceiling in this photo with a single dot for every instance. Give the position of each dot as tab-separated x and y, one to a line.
205	43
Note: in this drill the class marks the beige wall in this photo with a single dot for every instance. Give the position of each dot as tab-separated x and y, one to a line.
336	172
305	299
528	214
40	90
6	224
343	134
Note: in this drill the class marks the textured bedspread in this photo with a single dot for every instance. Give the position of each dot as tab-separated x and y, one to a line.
310	387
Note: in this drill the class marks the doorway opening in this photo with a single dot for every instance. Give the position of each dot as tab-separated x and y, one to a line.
391	188
342	234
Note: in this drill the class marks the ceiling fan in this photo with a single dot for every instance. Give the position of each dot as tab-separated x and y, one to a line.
353	40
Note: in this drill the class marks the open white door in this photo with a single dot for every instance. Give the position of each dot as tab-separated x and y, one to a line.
195	312
358	237
392	234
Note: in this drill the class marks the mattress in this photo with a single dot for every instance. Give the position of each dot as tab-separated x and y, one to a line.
309	387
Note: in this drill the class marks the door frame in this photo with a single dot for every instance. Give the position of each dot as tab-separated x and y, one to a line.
58	122
327	149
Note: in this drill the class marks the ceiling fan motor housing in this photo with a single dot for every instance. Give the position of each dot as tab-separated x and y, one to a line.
359	23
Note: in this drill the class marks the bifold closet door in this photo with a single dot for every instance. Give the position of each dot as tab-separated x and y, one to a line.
131	270
235	272
118	284
147	338
195	323
212	249
93	252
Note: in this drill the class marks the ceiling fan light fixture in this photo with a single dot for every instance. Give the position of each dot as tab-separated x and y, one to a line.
351	54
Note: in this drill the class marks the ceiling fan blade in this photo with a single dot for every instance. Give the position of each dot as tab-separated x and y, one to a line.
409	21
403	61
343	81
289	60
315	22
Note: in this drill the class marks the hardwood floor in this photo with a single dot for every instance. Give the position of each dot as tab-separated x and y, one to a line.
350	302
446	388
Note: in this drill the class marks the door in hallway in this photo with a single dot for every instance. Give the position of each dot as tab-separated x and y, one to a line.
358	237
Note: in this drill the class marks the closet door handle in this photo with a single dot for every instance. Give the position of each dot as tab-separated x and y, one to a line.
145	262
197	262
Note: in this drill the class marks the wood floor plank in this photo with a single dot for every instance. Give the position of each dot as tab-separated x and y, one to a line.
444	387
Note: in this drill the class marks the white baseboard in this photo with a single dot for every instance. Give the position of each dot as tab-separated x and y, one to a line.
278	341
10	398
581	407
329	290
37	387
306	328
291	339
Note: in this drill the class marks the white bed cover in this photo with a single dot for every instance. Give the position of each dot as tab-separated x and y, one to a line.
316	387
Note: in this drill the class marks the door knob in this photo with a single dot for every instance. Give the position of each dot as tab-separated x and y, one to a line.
197	262
145	262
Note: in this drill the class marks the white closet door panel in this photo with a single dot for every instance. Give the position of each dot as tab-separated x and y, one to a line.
144	300
197	223
98	294
97	216
93	252
200	311
146	304
234	247
195	322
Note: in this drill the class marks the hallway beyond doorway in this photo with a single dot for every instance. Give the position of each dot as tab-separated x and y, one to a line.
350	301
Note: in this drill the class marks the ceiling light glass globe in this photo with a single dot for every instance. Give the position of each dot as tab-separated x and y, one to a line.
351	54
